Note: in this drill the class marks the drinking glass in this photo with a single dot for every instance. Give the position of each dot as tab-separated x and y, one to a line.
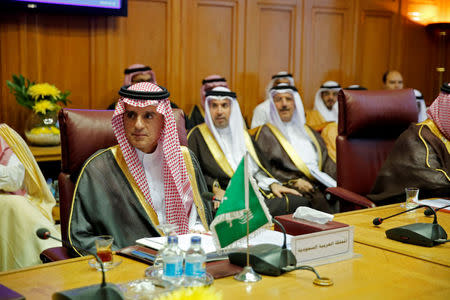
412	197
103	245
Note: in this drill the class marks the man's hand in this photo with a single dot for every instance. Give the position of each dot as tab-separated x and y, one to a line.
277	189
218	194
303	185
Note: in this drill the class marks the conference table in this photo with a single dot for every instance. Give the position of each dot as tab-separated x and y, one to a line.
380	269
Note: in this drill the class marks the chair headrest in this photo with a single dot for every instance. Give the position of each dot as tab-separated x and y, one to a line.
376	113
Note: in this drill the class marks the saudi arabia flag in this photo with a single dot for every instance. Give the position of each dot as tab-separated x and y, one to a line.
229	226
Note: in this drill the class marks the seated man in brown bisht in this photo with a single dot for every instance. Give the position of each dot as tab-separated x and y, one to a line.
292	152
146	180
420	158
220	144
197	114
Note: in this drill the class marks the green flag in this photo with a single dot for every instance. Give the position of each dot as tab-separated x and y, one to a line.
230	224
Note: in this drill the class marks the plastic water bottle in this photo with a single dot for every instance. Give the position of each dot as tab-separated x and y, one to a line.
195	263
172	261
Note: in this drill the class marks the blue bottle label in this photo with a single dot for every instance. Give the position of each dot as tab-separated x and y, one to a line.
195	269
173	269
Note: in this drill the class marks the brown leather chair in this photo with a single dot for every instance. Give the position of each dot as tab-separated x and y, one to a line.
369	124
83	132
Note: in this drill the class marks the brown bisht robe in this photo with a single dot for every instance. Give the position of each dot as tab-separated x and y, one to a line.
270	145
108	201
420	158
215	166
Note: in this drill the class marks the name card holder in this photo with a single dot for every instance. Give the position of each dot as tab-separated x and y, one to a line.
323	247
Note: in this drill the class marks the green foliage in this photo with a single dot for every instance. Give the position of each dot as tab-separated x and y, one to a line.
19	87
24	90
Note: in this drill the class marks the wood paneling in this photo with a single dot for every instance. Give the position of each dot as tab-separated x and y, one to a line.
329	54
247	41
272	45
212	35
375	48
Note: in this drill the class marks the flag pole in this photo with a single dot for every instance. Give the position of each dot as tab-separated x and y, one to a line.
247	209
247	274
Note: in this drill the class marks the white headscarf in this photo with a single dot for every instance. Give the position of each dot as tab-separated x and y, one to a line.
298	118
235	127
421	106
262	111
282	74
327	114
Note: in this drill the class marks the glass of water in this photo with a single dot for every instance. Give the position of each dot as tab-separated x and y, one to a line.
412	197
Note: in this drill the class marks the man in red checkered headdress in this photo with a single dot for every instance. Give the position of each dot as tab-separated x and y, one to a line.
146	180
420	157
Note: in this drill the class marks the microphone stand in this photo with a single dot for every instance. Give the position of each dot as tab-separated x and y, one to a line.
421	234
104	291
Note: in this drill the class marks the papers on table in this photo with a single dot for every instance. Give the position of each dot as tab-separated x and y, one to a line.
184	241
323	178
436	203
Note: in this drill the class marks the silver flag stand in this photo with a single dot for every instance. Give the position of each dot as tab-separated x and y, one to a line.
247	274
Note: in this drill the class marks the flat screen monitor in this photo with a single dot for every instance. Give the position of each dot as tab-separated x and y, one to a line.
91	7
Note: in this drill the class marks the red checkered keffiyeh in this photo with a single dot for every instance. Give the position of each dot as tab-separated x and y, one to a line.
177	189
439	112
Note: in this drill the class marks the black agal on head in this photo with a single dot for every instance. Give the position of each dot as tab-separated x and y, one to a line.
282	76
221	79
446	87
284	87
221	94
144	95
133	70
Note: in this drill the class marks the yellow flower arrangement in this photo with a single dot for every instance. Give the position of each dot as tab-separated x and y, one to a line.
193	293
40	97
44	106
42	90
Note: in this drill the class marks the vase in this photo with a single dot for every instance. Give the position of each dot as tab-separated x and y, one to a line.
43	129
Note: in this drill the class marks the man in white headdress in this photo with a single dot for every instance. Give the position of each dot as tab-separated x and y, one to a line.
197	114
325	106
25	204
146	180
292	152
324	116
261	111
220	144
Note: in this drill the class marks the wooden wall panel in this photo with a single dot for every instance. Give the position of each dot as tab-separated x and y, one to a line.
275	44
212	36
374	48
351	41
275	28
142	37
329	53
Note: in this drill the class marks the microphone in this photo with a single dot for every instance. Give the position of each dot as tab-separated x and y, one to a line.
421	234
429	212
378	220
102	291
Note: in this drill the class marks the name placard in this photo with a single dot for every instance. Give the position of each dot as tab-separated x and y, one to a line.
324	246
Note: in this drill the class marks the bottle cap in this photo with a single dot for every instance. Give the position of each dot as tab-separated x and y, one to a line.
196	239
172	239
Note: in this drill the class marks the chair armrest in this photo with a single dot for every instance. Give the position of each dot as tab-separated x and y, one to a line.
54	254
349	196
